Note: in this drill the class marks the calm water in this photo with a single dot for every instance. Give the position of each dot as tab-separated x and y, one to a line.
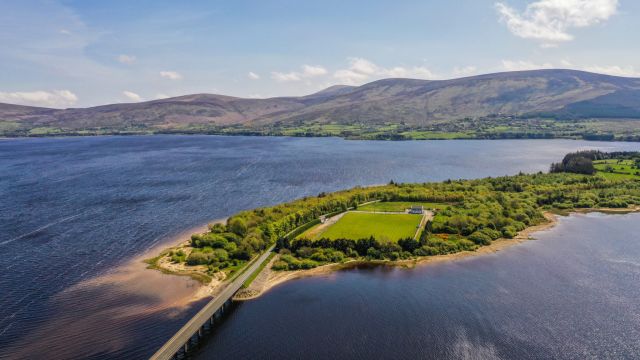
75	211
572	294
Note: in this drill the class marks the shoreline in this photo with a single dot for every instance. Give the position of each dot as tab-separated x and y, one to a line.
275	278
268	279
154	256
75	135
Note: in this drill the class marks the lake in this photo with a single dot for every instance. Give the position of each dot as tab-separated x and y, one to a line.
571	294
77	213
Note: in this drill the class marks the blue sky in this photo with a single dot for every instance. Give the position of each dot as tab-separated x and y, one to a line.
83	53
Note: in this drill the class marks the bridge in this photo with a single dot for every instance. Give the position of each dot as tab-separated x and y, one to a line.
181	341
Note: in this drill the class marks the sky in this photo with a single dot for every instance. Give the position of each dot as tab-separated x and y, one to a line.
85	53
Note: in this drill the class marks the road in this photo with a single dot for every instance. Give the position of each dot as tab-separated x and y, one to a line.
171	347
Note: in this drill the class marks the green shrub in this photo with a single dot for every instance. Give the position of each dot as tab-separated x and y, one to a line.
305	252
197	258
480	238
492	234
231	247
509	232
219	255
217	228
373	253
237	226
336	256
308	264
280	265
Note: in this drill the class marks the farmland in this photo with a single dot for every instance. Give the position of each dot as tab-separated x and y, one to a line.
385	227
617	169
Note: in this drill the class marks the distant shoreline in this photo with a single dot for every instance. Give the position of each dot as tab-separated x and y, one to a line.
354	138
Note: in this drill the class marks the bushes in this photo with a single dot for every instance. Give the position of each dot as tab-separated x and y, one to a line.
614	203
480	238
288	262
197	258
207	256
178	256
493	234
509	232
280	265
237	226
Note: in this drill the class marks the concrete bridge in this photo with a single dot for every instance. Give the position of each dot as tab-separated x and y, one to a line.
193	330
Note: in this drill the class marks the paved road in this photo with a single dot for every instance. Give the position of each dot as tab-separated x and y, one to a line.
428	215
190	328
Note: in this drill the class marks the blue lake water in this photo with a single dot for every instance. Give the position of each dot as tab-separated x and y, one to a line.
571	294
74	209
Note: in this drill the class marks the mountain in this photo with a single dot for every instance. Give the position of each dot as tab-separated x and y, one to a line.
558	94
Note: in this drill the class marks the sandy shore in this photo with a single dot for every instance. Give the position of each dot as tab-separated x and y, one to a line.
183	240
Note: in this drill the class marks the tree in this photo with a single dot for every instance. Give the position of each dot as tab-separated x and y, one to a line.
238	226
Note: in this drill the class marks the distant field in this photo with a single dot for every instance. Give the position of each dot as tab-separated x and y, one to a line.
399	206
389	227
617	169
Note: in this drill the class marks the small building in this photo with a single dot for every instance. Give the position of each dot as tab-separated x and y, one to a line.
416	209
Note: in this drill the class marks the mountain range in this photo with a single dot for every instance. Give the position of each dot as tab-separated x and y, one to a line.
555	94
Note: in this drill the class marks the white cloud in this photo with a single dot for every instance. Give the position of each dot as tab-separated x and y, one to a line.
416	72
253	76
55	98
285	77
130	95
362	66
361	70
350	77
550	21
171	75
464	71
615	70
126	59
520	65
308	71
313	71
628	71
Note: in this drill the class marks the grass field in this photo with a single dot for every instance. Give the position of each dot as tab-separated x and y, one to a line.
617	169
384	227
399	206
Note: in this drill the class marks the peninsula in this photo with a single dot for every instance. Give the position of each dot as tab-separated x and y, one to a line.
401	224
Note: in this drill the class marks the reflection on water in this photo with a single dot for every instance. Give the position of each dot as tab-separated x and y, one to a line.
74	209
571	294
